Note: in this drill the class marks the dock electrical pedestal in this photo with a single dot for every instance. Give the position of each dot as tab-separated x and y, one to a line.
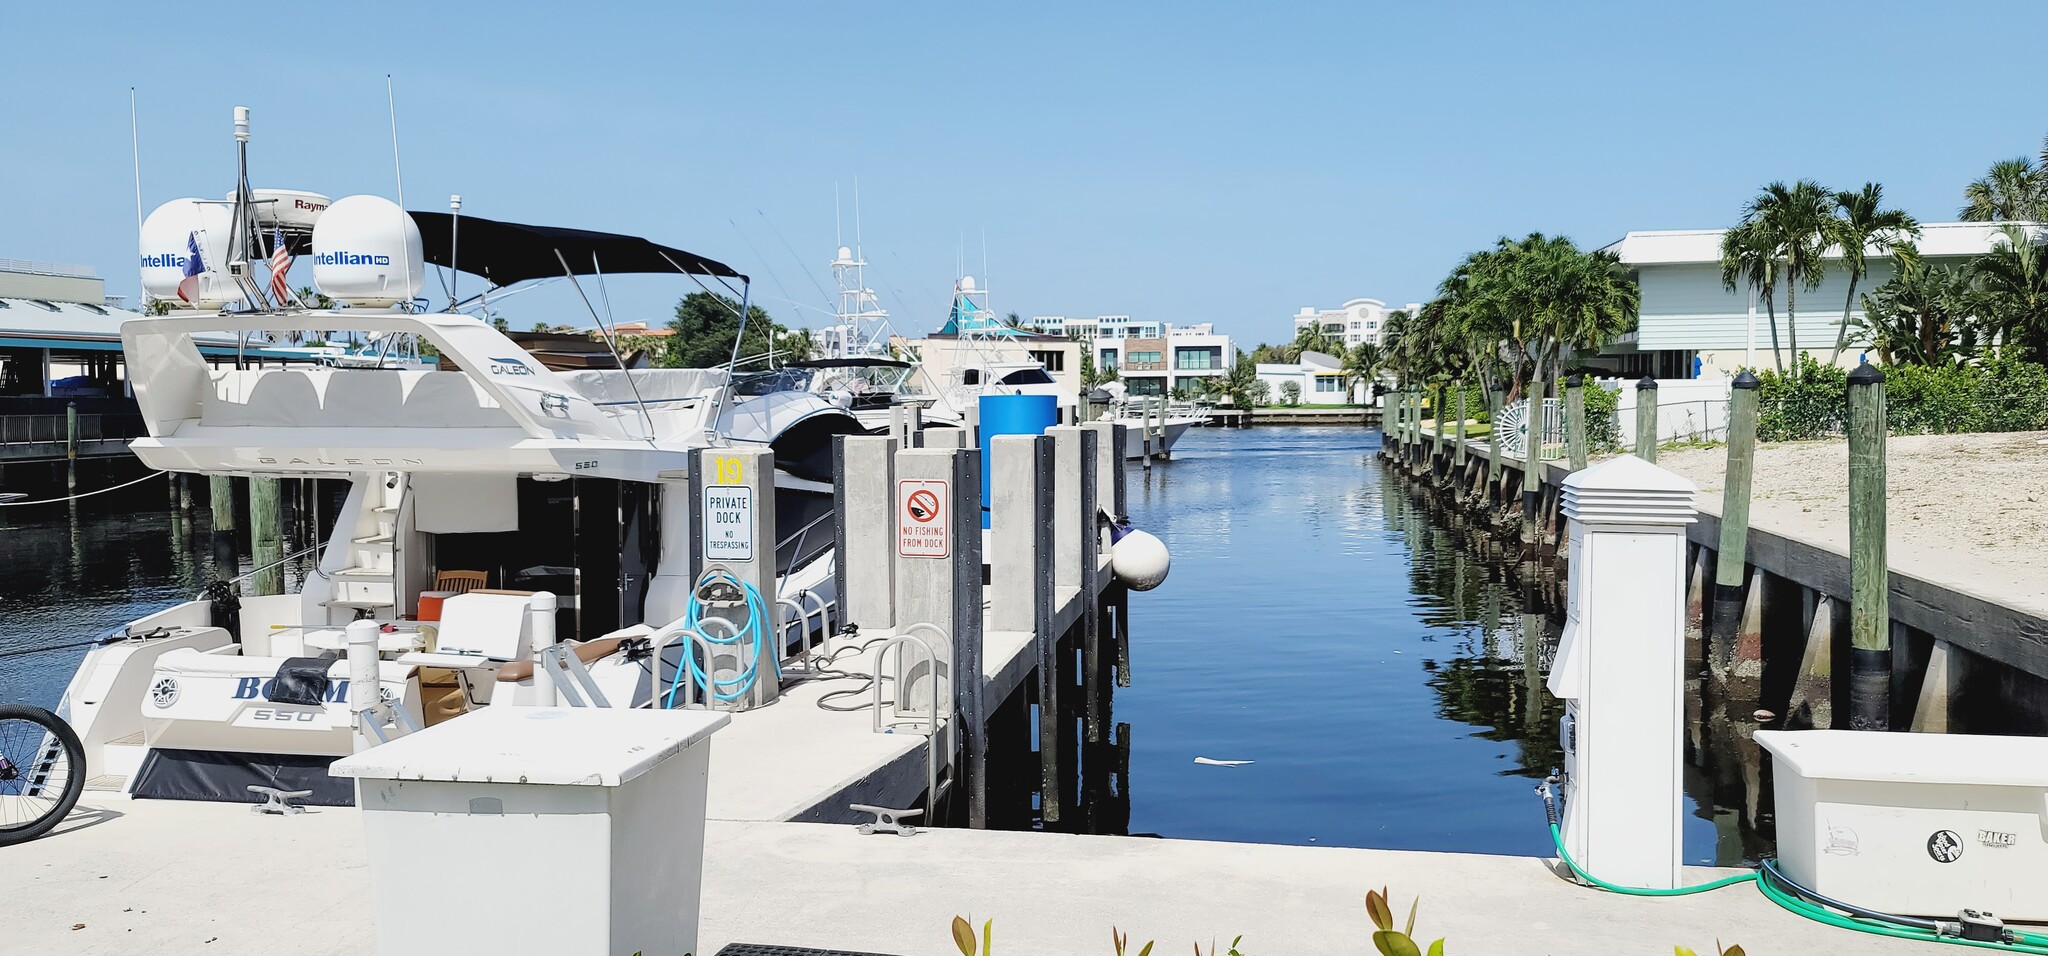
1620	671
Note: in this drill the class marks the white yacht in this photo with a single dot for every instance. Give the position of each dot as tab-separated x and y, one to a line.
1169	419
489	470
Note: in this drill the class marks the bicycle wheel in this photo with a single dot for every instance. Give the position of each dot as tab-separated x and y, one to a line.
42	770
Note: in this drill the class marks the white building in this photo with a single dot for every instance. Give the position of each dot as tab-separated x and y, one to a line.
1319	376
1688	314
1149	357
1355	322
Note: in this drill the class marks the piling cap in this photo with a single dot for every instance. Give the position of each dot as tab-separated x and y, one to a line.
1745	379
1866	374
1574	380
1646	384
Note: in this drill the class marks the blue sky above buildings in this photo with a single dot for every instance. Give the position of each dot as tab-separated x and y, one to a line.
1185	162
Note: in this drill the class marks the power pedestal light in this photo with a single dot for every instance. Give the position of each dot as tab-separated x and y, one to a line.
1620	671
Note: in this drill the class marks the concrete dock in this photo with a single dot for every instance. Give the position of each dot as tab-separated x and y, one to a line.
125	876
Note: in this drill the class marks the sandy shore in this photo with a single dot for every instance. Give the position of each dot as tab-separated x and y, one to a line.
1966	511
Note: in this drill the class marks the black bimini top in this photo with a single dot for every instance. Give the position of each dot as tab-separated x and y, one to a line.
848	363
510	252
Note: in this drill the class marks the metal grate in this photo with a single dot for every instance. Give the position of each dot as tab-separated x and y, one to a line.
759	949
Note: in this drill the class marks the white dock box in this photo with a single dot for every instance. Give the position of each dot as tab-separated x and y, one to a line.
1917	824
538	830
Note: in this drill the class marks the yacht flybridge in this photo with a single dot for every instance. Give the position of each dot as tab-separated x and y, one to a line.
483	477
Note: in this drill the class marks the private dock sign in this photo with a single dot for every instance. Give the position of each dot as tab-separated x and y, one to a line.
728	523
921	519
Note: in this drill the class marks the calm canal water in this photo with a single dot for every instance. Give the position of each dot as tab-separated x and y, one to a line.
1319	622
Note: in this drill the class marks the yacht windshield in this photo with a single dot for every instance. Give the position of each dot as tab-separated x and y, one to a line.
1027	376
772	380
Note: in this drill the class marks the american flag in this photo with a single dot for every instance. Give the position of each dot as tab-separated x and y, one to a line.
280	266
188	287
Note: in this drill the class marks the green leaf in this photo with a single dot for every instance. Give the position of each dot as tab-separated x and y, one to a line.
1410	930
1730	951
1436	948
1682	951
988	943
1147	951
1390	943
963	936
1376	907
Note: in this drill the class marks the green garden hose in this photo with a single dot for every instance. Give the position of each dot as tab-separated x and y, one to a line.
2022	942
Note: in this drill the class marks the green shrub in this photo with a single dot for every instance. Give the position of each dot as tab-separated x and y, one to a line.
1603	426
2006	394
1812	404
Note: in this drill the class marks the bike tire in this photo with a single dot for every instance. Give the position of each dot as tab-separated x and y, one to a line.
13	733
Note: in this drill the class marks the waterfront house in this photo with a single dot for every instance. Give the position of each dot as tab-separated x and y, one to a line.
1688	314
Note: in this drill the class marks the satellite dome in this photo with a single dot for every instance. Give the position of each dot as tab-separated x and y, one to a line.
366	252
168	237
967	283
292	210
845	252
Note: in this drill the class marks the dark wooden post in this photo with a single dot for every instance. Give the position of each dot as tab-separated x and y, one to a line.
1869	574
1646	419
1575	420
1731	558
1458	454
1532	462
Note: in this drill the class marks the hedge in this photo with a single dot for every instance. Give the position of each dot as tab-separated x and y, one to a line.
2005	394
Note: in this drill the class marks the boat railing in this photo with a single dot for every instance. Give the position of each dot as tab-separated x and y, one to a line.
287	559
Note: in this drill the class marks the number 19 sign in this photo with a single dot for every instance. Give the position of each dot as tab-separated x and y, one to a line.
921	520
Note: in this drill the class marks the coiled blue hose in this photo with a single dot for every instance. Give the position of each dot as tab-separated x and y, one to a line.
756	631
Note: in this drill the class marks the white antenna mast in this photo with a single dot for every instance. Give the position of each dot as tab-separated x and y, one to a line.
135	148
398	173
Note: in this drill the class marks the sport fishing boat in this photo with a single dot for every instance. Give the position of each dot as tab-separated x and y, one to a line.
1169	420
489	473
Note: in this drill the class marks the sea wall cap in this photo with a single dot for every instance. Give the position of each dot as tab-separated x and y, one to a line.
1866	374
1574	380
1646	384
1745	379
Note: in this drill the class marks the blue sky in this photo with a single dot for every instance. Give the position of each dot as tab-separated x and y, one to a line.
1185	162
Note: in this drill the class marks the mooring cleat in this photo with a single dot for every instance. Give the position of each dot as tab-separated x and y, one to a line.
886	820
280	800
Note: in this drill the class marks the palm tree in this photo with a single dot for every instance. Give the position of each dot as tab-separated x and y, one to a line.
2013	190
1394	343
2013	278
1795	225
1361	366
1866	224
1312	338
1240	384
1746	257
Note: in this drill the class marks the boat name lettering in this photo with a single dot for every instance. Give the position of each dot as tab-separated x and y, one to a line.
250	688
586	465
350	259
509	366
164	260
340	461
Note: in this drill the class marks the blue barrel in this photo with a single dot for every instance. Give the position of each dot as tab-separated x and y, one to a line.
1012	415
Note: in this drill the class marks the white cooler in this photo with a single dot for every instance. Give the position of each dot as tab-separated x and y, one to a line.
538	830
1917	824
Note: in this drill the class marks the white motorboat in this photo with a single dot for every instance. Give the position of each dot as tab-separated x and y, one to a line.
491	469
1167	420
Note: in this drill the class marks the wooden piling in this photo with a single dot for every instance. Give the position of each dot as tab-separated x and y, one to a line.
71	445
1646	419
1812	703
1575	421
1731	556
1436	413
1946	670
1869	574
1458	454
1493	450
1532	462
221	502
266	545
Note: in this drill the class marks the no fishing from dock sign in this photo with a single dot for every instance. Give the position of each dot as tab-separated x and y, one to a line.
921	529
729	516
